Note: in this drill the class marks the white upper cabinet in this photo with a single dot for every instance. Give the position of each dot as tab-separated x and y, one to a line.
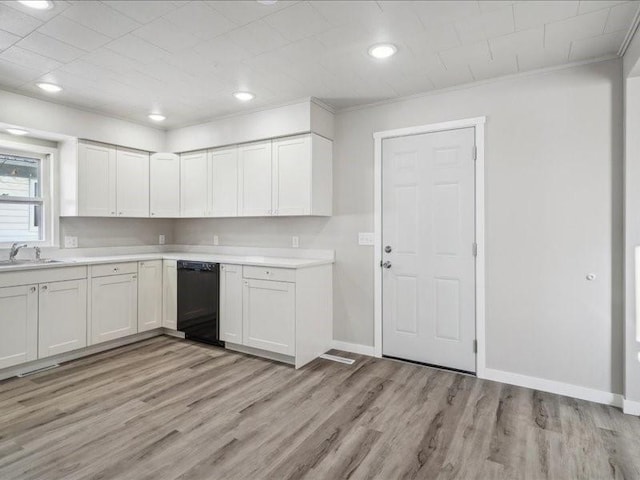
302	175
224	182
164	185
194	184
132	183
254	192
96	180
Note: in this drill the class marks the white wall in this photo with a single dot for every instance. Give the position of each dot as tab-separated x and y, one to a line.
35	114
554	214
116	232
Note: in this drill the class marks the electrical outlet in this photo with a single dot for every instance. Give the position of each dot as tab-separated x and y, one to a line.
295	242
70	242
366	238
161	239
216	240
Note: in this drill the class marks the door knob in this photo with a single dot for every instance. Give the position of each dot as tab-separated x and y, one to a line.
387	249
386	265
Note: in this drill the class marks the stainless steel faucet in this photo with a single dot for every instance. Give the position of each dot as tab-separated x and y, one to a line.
38	253
15	248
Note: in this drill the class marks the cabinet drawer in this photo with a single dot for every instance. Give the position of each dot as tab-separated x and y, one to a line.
114	269
267	273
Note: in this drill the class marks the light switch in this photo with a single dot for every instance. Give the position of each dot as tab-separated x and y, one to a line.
216	240
161	239
295	242
366	238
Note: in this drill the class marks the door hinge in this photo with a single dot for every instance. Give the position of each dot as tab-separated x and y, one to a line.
475	153
475	346
474	249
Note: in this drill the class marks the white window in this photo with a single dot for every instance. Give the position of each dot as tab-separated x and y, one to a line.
24	197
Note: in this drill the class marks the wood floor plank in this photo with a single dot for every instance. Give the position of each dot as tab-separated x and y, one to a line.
167	409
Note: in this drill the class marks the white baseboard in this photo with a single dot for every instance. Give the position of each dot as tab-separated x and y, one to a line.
631	407
551	386
353	348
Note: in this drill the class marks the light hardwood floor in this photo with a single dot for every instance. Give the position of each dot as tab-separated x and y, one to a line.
171	409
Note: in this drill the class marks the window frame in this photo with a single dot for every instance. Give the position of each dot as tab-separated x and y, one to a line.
48	191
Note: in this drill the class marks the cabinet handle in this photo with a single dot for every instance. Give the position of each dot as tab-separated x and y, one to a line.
152	213
113	213
119	213
115	269
44	287
134	276
32	289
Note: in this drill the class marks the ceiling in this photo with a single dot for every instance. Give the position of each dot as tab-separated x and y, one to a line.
186	58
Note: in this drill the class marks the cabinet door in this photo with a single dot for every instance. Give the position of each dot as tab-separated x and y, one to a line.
231	303
96	180
18	324
164	185
194	185
149	295
254	194
292	176
224	182
170	294
114	307
62	319
268	315
132	183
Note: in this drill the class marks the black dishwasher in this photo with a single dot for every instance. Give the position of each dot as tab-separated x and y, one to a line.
199	301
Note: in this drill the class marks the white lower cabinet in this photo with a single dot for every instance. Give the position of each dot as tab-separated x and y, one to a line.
18	324
170	294
231	303
269	315
62	318
149	295
114	307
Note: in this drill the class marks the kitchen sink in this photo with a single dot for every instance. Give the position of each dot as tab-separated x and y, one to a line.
17	263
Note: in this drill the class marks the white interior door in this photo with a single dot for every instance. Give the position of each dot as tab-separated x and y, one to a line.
428	234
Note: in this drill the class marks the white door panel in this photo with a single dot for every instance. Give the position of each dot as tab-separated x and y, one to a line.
18	324
62	325
132	184
164	185
149	295
96	180
194	184
254	194
224	178
429	223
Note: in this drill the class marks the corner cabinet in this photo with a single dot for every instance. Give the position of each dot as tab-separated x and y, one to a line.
195	185
164	185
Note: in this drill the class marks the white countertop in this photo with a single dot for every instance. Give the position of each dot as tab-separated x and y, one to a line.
264	261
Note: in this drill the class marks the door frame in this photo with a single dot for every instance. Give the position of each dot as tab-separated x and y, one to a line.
478	124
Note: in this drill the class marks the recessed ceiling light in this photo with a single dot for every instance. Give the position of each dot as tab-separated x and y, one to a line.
382	50
157	117
37	4
244	96
50	87
16	131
